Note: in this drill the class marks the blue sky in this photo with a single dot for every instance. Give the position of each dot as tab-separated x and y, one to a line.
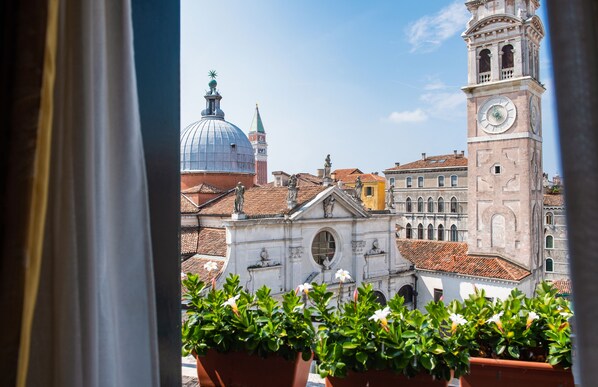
371	82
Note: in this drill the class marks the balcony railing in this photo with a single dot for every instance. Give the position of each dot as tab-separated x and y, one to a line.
506	73
484	77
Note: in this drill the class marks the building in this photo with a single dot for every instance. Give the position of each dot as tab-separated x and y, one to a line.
431	197
556	253
215	154
283	236
257	137
373	187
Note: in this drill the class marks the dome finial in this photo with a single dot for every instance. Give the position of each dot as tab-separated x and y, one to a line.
212	74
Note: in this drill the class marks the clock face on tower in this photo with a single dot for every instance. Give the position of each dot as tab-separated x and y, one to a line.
497	115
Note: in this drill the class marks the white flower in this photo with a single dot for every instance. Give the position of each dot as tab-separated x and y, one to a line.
380	315
304	288
495	319
457	319
210	266
342	275
530	318
183	275
232	302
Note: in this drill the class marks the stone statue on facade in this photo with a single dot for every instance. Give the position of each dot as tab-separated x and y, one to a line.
358	188
375	248
328	206
264	257
327	166
239	199
390	197
292	193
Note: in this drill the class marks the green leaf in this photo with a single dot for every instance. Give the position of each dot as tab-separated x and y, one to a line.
514	351
349	345
362	357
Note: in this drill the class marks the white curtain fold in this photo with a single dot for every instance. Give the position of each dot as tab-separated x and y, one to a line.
95	319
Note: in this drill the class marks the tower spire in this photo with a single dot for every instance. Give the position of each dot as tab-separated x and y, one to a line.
257	137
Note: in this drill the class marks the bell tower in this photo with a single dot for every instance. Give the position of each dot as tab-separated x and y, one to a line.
504	131
257	137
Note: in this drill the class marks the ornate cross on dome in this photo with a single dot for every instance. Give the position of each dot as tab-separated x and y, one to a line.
212	74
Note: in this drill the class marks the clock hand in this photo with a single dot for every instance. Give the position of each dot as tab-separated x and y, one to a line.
496	113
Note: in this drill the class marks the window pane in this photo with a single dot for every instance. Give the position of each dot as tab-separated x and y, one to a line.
323	247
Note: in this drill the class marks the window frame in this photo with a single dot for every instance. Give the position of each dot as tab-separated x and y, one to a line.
438	294
440	232
546	239
440	181
408	182
408	204
549	215
440	205
546	262
420	231
430	204
334	247
420	204
409	231
370	190
454	181
454	205
420	182
454	233
430	233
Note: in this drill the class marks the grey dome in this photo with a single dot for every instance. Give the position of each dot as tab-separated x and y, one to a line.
215	145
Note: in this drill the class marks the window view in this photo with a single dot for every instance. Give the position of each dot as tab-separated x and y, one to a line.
323	248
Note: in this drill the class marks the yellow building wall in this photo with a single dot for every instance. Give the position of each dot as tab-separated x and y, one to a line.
377	200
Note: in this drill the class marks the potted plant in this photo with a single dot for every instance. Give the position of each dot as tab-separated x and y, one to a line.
520	341
240	338
361	342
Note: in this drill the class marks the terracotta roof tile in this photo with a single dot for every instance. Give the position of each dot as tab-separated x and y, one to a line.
554	200
365	178
262	201
206	241
563	286
187	205
306	179
434	162
452	257
341	174
204	188
196	264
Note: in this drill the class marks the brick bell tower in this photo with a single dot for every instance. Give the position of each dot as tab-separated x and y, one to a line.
257	137
504	131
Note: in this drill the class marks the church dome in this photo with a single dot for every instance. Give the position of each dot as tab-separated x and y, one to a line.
213	144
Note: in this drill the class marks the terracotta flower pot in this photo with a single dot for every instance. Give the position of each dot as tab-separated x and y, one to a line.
514	373
375	378
240	369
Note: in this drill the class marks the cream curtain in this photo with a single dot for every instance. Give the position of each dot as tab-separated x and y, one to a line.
95	317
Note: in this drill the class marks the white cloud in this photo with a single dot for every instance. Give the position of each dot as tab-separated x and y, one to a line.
435	85
417	115
429	32
444	103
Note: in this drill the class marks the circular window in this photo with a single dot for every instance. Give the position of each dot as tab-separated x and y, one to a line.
323	248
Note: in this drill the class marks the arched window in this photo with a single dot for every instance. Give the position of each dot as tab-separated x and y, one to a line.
549	218
408	231
549	242
408	182
441	181
454	181
440	205
484	66
420	205
430	232
549	265
507	57
406	291
440	232
408	206
420	231
323	248
454	236
430	205
380	297
420	182
453	205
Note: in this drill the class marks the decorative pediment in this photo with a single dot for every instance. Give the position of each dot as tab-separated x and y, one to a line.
492	23
330	203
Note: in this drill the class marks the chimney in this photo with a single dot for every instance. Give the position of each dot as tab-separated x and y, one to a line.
423	156
320	172
455	152
462	153
397	164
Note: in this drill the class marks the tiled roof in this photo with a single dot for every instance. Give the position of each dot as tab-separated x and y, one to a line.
556	200
262	201
563	286
442	161
341	174
452	257
365	178
204	188
187	205
206	241
305	179
196	264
